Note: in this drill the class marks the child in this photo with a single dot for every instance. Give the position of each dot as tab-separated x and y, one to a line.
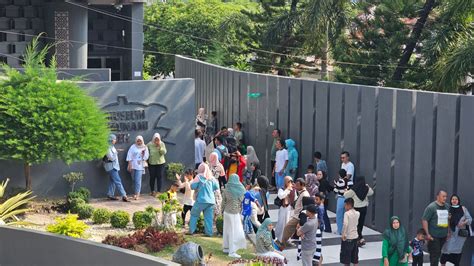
307	233
340	187
417	245
312	183
170	219
188	192
349	248
249	198
172	192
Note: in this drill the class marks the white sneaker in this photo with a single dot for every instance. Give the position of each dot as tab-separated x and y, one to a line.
234	255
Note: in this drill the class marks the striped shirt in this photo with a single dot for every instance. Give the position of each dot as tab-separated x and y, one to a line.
340	186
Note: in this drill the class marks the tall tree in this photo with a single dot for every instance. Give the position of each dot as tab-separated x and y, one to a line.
43	119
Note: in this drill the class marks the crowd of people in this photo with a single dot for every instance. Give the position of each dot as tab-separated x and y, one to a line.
227	180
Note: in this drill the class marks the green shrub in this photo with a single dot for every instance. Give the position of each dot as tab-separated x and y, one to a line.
151	209
86	194
220	224
119	219
75	195
85	211
75	203
172	169
200	225
179	221
142	219
68	226
101	216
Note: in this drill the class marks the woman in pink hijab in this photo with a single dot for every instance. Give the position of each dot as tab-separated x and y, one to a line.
217	169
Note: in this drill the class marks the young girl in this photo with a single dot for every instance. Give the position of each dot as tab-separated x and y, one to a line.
136	157
234	237
218	174
188	192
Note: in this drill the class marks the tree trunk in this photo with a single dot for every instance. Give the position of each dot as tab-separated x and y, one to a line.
27	168
414	38
325	56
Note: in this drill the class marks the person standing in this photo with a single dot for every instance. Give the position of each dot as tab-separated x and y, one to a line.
360	192
188	200
340	187
239	137
204	186
281	163
251	157
234	236
218	175
292	168
459	226
199	148
416	245
324	189
211	128
276	133
136	157
286	196
263	196
201	118
112	167
435	221
320	164
347	165
290	227
156	162
307	233
395	246
349	249
312	183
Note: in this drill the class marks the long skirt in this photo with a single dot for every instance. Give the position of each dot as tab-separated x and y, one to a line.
234	237
284	215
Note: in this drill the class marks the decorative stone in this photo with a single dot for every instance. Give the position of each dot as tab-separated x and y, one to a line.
189	253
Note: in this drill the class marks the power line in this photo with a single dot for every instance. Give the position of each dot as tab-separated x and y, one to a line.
165	53
132	20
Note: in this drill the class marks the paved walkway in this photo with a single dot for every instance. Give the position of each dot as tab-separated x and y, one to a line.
369	255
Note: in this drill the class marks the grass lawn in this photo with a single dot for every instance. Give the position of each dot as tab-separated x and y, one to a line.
210	246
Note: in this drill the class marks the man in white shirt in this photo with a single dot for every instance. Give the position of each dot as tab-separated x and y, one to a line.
348	166
199	148
281	161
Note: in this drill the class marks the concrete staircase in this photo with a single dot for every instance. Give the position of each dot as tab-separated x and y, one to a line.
369	255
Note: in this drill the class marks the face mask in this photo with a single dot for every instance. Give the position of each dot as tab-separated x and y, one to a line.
455	206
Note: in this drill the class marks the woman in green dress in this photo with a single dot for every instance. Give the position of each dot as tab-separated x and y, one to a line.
395	248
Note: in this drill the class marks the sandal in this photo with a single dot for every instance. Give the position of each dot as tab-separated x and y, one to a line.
125	199
112	198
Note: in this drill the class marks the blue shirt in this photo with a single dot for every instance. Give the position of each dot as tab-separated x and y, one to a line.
247	203
417	246
321	217
322	166
206	190
220	150
113	162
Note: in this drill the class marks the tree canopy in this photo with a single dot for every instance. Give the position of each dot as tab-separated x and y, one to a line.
45	119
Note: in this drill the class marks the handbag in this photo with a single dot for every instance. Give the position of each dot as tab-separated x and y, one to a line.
464	232
278	202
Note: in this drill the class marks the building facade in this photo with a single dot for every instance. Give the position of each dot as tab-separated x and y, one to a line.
87	34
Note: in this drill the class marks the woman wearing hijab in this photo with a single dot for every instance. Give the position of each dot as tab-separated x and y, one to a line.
264	184
264	242
112	167
460	220
292	166
232	197
204	187
156	162
217	169
286	195
360	192
395	247
218	174
201	120
256	172
136	157
251	156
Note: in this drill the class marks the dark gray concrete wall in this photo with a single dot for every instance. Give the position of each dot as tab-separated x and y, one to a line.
168	107
408	144
29	247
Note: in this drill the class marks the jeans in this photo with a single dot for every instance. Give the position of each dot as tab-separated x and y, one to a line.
115	182
327	222
434	248
208	210
279	179
360	224
137	180
156	173
340	214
